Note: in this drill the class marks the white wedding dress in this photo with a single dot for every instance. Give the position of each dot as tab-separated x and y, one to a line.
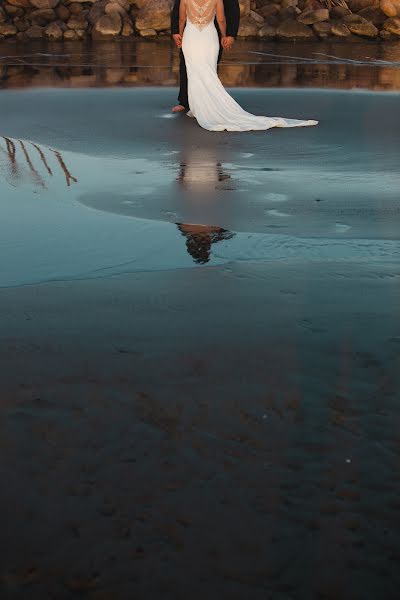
209	102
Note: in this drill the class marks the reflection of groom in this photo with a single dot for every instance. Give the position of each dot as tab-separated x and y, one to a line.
232	15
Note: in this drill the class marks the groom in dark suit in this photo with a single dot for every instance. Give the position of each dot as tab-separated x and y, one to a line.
232	15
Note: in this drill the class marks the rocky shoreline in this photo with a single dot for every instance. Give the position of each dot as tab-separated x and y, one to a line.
287	20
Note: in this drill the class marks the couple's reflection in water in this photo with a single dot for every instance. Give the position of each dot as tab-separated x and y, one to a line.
21	160
201	177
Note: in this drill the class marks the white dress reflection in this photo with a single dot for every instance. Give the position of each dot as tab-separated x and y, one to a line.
201	172
200	175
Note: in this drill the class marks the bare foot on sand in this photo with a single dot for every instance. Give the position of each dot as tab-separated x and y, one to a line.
179	108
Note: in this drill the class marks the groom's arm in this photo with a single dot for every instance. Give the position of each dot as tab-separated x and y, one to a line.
232	15
175	18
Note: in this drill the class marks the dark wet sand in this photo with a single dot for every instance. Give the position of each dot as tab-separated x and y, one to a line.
218	432
223	432
228	431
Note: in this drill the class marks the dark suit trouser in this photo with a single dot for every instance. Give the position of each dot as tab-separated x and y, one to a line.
183	90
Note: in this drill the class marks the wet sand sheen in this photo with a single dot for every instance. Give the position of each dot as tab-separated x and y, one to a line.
324	194
229	431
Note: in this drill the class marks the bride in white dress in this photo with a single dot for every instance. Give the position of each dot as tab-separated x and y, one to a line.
209	102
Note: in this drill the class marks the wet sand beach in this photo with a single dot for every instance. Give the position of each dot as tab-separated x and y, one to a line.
199	347
154	443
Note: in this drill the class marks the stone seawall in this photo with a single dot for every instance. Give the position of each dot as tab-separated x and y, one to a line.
279	20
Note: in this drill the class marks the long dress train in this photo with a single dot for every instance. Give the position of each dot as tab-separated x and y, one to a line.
209	102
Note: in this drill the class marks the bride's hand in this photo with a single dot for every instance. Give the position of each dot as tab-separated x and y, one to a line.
178	39
228	42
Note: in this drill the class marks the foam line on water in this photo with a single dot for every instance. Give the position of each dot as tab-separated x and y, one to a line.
277	213
372	61
336	59
274	197
296	58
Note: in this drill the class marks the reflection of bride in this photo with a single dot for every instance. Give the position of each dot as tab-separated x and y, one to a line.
200	174
196	176
200	170
199	239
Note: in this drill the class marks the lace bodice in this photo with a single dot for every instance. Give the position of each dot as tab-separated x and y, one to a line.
201	12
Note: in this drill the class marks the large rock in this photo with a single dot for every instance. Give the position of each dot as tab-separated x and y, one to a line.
107	27
7	29
322	28
53	32
77	22
268	10
273	20
97	11
256	17
13	11
267	31
339	11
340	30
386	35
310	5
70	35
44	3
287	13
156	14
21	24
148	33
374	15
248	27
62	12
391	8
21	3
34	32
127	29
42	16
245	6
392	25
124	3
115	7
356	5
293	30
75	8
310	17
21	36
354	19
363	29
